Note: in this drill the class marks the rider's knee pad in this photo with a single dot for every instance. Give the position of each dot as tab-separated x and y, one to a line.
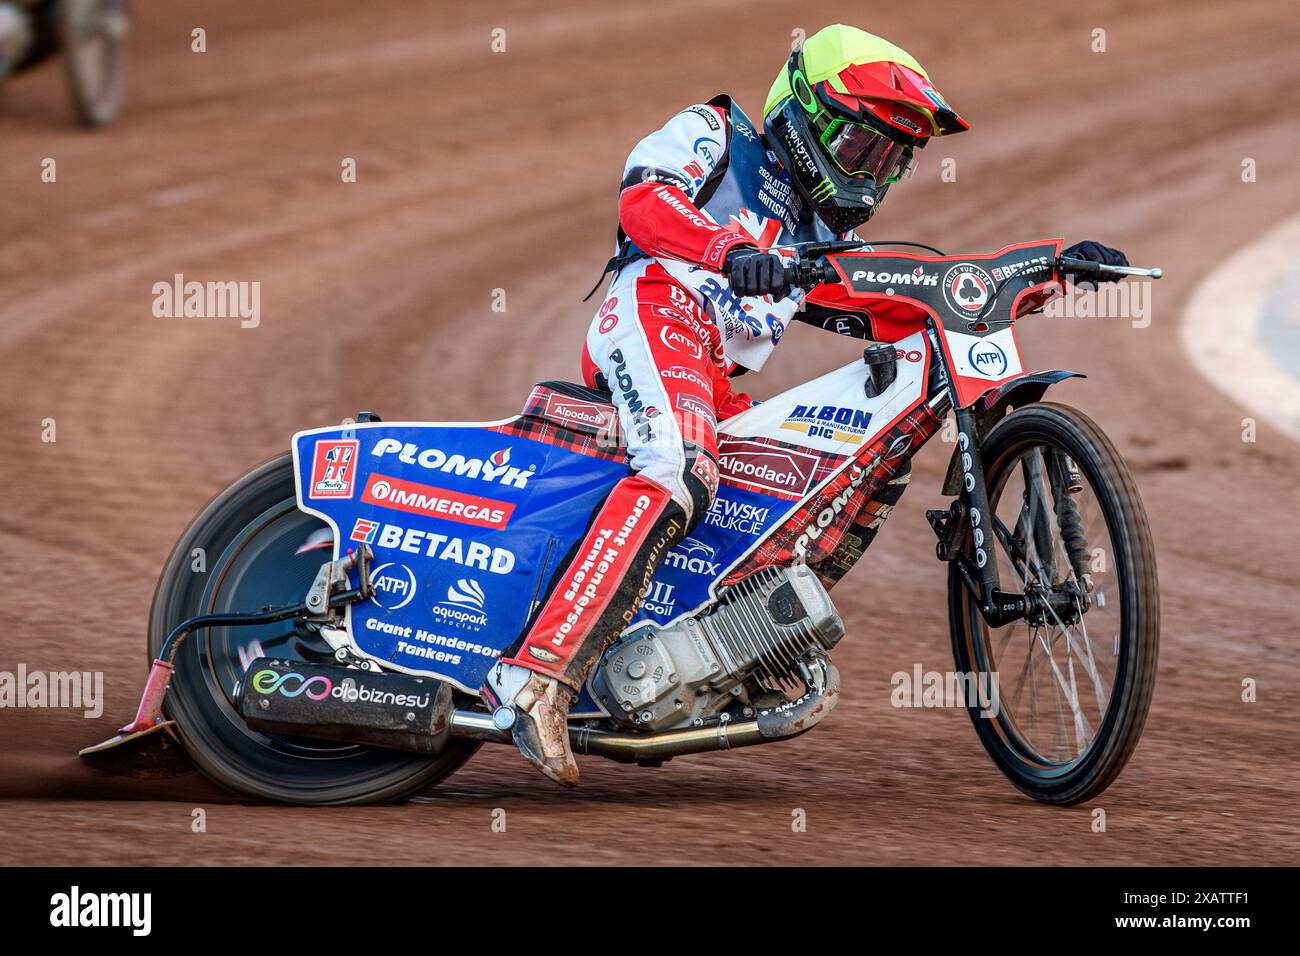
690	476
699	484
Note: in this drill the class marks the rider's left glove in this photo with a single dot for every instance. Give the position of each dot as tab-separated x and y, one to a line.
1095	252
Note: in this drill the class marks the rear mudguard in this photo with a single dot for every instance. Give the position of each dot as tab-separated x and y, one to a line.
993	404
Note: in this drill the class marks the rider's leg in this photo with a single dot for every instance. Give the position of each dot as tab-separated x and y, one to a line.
655	349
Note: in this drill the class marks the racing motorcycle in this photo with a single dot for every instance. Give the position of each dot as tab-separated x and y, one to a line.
92	35
321	630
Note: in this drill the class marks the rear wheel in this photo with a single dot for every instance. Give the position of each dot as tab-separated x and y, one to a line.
240	554
1074	679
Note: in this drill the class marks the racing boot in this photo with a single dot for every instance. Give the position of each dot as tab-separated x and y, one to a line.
592	599
535	709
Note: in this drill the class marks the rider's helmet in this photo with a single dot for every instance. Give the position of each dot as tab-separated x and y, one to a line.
844	117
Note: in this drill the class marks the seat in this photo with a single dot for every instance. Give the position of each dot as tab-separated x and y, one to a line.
579	410
584	392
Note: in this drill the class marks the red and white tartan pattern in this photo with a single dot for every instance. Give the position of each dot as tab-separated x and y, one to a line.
534	423
777	549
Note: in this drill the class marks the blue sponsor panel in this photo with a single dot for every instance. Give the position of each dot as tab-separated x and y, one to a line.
734	522
682	583
466	523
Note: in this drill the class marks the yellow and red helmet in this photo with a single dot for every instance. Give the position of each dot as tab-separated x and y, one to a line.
844	117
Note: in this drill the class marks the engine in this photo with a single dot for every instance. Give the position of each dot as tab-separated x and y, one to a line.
657	678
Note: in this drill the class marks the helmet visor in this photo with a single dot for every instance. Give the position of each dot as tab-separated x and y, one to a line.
862	151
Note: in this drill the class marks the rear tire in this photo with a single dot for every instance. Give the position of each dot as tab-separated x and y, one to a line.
238	555
1124	612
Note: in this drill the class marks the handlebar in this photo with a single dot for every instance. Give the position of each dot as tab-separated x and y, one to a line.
810	267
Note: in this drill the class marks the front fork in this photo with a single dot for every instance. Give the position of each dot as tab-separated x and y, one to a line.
996	606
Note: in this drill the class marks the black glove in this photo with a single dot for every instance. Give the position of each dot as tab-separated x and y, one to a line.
1094	252
756	273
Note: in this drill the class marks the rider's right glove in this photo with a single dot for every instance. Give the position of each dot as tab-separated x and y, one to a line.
756	273
1095	252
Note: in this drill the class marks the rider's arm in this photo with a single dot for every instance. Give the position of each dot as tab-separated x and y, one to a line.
660	181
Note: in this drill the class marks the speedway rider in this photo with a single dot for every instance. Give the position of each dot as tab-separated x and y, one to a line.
695	300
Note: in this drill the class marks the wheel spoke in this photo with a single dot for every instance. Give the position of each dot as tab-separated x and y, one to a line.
1032	550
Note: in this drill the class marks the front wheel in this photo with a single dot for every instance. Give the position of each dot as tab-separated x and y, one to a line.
1065	691
250	548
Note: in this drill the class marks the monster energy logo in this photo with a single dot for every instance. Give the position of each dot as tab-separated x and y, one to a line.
825	190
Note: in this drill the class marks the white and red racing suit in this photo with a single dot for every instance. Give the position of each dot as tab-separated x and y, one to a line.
665	341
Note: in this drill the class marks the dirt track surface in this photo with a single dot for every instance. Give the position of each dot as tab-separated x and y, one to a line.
480	171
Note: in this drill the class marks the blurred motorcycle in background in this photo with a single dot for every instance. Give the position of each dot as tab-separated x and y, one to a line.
91	34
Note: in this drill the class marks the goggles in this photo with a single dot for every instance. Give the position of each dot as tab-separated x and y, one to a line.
862	151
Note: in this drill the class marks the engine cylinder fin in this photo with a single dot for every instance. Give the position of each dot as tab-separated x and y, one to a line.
758	630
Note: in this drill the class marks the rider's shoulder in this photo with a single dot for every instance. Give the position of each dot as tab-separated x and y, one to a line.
714	113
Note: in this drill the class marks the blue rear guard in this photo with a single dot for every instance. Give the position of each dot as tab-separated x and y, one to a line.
467	525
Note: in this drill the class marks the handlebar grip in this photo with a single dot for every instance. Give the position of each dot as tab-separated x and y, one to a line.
804	274
1087	267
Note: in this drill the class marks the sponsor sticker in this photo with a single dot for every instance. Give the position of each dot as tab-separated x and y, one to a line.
695	406
847	425
680	373
966	288
395	585
846	323
681	342
870	277
442	547
574	411
420	499
464	607
694	557
494	469
987	358
1032	266
739	517
333	468
364	530
773	469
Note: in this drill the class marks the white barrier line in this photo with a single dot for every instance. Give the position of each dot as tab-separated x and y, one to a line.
1220	328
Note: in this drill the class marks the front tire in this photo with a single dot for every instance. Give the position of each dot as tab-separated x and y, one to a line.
239	555
1094	686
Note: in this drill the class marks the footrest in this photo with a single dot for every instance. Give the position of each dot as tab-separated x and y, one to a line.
950	528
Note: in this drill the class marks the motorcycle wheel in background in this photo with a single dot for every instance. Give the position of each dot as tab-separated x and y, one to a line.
1074	678
94	36
241	554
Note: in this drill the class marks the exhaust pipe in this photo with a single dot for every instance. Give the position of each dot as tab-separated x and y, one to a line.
782	722
396	711
621	746
416	714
